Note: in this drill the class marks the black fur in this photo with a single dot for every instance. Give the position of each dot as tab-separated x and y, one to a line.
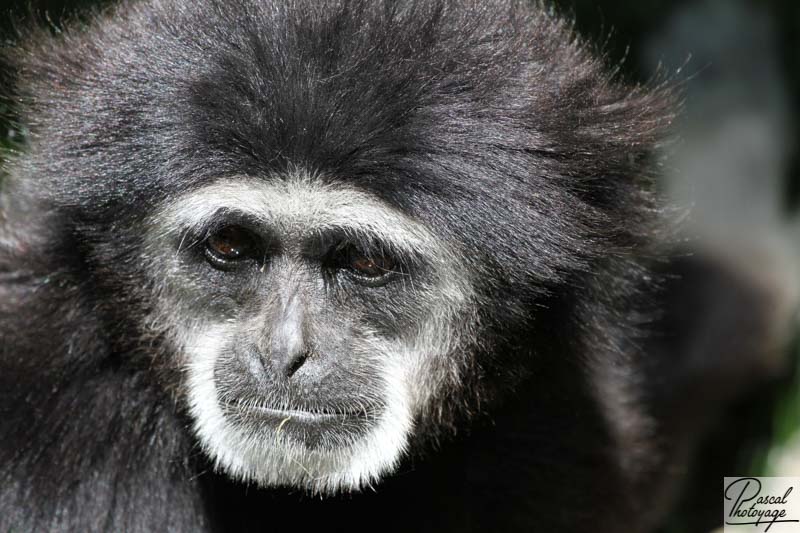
488	120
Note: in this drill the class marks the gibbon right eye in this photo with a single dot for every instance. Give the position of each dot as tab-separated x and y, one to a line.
229	245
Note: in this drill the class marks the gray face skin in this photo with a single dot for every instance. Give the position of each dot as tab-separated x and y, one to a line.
314	324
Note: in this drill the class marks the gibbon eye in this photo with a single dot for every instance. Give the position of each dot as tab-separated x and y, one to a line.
228	245
370	267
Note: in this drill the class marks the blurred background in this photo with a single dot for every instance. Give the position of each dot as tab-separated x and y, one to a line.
735	168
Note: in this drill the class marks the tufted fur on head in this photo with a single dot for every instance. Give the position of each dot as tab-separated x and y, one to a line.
490	124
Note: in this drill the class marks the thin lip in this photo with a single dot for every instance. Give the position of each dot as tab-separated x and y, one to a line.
312	429
298	414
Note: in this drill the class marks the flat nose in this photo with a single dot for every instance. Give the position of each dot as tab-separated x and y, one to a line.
288	349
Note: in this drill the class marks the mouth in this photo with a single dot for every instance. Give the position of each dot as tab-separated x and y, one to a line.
304	416
312	429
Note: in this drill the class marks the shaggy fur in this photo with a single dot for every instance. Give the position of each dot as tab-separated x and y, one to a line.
487	122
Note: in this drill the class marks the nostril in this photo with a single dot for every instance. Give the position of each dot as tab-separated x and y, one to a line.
295	364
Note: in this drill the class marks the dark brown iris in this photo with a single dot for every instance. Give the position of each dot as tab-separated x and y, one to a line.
230	244
370	267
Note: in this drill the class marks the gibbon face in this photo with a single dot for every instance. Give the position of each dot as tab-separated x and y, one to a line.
314	322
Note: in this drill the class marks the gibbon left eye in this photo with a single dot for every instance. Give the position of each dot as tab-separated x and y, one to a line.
370	267
229	245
